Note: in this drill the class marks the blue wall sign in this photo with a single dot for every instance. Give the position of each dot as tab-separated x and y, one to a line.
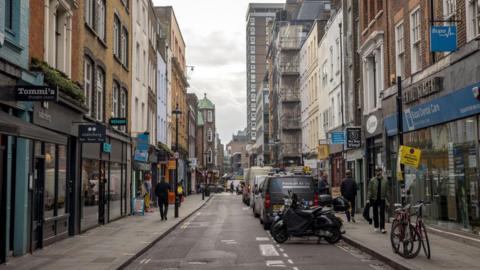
141	152
443	38
459	104
107	148
337	137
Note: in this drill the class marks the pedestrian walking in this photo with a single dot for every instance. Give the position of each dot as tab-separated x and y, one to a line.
180	192
348	190
377	193
231	187
161	191
323	187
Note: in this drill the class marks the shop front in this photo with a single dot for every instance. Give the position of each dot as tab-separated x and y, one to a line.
142	172
104	185
446	130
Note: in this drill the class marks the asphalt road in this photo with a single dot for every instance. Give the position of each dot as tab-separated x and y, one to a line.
225	235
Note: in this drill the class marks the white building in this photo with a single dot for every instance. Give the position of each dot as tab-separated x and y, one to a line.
330	80
309	90
140	50
162	100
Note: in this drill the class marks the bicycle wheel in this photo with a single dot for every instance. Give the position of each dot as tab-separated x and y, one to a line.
425	242
405	242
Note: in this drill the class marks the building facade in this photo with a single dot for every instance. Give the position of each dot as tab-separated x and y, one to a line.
207	109
258	18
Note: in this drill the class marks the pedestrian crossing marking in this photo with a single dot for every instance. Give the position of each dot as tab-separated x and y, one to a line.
275	264
268	250
262	239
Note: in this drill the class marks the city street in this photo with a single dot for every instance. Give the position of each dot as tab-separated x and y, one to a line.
225	235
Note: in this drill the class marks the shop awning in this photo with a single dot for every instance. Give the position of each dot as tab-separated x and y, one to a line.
11	125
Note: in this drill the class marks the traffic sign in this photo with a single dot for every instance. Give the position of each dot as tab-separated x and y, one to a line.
410	156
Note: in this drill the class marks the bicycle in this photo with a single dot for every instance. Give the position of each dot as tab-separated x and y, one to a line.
406	235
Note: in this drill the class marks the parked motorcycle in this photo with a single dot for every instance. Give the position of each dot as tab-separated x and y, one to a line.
298	221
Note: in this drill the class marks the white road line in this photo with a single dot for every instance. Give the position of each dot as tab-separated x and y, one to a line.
147	261
290	261
277	245
262	239
142	261
295	268
245	208
197	263
275	264
229	242
268	250
285	255
281	249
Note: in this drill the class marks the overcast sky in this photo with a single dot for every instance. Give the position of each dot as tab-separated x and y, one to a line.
214	32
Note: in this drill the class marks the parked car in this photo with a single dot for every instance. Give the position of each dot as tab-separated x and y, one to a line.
249	176
275	188
256	198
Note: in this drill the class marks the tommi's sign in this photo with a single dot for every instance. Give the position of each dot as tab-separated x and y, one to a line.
423	89
35	93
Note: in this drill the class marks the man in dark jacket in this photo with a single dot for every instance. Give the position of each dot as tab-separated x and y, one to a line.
349	192
323	187
161	190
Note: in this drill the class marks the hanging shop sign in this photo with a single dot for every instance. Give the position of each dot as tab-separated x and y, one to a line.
322	151
372	124
107	148
91	133
443	38
354	137
337	137
118	121
410	156
35	93
141	151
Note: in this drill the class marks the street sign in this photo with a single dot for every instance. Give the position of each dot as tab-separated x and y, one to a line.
91	133
107	148
443	38
35	93
410	156
354	137
337	137
118	121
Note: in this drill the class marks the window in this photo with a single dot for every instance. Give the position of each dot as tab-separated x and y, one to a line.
124	47
116	36
210	135
209	156
252	21
332	108
137	56
123	106
473	18
142	116
88	76
252	30
210	116
252	40
331	63
9	14
339	108
115	100
100	14
449	9
324	73
338	53
400	50
415	37
137	115
99	94
89	7
49	191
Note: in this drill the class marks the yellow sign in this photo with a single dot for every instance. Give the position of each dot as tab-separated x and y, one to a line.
322	151
410	156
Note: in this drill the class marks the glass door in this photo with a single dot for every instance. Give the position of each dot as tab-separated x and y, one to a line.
38	202
102	192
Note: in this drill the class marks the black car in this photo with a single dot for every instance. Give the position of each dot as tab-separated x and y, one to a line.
275	188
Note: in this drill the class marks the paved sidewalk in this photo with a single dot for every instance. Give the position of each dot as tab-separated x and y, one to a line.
446	253
108	246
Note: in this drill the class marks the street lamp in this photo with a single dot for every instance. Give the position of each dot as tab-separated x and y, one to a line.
176	112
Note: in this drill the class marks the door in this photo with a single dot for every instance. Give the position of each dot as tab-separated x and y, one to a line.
102	194
39	178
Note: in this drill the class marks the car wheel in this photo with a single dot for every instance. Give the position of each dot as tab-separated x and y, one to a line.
266	226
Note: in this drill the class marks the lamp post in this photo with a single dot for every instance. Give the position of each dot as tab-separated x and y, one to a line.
176	112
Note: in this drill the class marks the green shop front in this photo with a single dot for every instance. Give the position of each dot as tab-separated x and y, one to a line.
446	129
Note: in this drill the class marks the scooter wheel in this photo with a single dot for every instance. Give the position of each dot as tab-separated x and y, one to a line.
280	235
335	237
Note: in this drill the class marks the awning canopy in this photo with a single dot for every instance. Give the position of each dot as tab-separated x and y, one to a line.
13	126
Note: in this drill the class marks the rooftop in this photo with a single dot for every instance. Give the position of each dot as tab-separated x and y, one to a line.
205	104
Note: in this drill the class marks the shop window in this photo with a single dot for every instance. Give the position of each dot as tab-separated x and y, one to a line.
90	193
115	189
62	180
49	187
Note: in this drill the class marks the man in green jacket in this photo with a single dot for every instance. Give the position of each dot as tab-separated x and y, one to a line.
377	194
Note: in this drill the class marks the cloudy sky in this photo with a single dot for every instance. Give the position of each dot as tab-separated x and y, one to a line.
214	32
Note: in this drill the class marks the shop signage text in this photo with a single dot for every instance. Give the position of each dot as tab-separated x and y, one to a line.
443	38
35	93
354	137
118	121
91	133
423	89
459	104
107	148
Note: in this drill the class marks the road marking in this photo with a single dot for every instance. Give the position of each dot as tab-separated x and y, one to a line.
281	249
147	261
128	254
275	264
290	261
295	268
197	263
245	208
285	255
262	239
229	242
268	250
142	261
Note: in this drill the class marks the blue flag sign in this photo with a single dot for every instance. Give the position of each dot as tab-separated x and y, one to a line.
141	152
337	137
443	38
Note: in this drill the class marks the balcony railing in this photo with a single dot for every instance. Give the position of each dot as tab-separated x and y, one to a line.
289	68
290	43
291	122
290	94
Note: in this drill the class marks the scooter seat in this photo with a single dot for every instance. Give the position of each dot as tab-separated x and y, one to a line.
308	212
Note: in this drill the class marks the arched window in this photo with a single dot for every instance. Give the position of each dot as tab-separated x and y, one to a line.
209	156
210	135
